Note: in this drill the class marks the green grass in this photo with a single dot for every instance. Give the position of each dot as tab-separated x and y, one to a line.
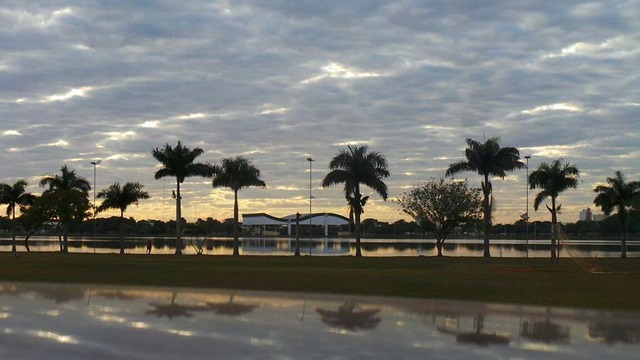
516	281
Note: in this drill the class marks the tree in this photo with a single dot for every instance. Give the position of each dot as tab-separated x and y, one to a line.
117	197
352	167
553	179
235	174
445	205
620	194
13	195
178	162
487	159
71	191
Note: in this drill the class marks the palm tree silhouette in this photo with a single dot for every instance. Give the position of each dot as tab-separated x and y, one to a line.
553	179
235	174
178	161
487	159
346	317
352	167
67	187
13	195
617	193
117	197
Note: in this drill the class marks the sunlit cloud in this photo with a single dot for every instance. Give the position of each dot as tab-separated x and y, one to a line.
81	92
116	136
192	116
553	107
554	151
60	143
11	133
337	71
268	109
150	124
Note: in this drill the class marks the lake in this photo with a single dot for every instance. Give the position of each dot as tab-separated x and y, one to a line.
332	246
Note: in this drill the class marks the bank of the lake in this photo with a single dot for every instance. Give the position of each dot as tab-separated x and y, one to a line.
515	281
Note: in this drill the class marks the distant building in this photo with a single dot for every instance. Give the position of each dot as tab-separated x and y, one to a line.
586	215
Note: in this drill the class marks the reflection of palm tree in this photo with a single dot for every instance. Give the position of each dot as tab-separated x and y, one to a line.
117	197
118	294
353	167
230	308
179	162
553	179
60	293
479	338
235	174
13	195
487	159
347	318
611	333
618	193
174	309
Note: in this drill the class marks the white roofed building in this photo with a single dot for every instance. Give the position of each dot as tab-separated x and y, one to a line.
265	224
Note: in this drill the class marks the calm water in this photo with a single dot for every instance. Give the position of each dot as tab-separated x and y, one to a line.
324	246
55	321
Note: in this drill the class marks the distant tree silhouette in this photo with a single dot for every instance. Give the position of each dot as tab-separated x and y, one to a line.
354	166
117	197
68	192
487	159
235	174
15	195
618	194
179	162
553	179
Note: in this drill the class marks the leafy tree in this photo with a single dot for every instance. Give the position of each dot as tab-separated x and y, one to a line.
15	195
71	190
487	159
553	179
618	194
235	174
120	197
354	166
446	205
179	162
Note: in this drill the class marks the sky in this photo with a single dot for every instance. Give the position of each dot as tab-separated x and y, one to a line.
279	81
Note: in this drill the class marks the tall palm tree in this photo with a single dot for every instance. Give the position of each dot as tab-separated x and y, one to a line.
235	174
553	179
617	193
117	197
178	161
75	188
354	166
487	159
13	195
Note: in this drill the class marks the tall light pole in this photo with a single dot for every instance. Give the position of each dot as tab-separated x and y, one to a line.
526	214
95	165
310	160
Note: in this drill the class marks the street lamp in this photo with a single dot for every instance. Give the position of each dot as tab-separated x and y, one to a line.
95	164
526	220
310	160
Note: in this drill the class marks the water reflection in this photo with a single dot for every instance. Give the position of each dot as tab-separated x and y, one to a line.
128	322
335	246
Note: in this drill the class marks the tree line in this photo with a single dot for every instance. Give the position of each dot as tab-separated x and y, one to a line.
439	205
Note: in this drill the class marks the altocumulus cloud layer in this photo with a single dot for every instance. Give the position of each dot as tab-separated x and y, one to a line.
279	81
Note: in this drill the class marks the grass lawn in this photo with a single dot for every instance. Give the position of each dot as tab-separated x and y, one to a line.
517	281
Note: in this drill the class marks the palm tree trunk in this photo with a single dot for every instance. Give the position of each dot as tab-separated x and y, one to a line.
13	230
554	231
357	233
486	222
236	251
121	232
65	237
178	220
297	253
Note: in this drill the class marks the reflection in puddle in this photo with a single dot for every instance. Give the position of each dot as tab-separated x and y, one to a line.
108	322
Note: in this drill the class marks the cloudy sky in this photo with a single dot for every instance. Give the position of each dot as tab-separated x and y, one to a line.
278	81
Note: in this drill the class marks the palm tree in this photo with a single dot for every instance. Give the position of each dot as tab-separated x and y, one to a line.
235	174
75	188
117	197
553	179
355	166
487	159
178	161
618	193
13	195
